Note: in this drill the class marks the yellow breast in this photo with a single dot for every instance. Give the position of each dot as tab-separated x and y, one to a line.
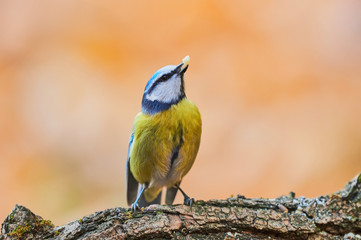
155	137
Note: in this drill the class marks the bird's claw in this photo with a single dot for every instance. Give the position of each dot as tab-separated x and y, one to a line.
189	201
134	207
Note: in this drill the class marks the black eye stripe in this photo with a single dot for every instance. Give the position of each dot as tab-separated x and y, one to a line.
165	77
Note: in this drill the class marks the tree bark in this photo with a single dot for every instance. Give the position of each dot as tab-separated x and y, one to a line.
335	216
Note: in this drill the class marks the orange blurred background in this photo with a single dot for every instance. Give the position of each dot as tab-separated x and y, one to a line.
278	85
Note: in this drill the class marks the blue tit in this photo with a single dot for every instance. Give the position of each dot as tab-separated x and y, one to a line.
164	141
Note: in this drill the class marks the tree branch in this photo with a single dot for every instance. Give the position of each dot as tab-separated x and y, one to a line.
335	216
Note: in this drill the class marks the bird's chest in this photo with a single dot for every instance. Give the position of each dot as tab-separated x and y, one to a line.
165	144
155	141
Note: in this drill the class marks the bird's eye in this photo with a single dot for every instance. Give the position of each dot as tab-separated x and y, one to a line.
163	78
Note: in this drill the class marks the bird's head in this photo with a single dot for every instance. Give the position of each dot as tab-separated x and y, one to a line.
165	88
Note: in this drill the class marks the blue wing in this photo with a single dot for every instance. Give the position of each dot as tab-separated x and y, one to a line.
132	184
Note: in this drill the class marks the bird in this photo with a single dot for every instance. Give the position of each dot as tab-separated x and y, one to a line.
164	141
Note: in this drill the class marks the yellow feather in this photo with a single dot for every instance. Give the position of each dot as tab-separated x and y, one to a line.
155	137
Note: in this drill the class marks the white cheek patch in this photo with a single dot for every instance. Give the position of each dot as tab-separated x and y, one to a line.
166	91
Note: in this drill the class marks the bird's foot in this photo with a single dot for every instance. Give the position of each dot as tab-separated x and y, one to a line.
189	201
134	207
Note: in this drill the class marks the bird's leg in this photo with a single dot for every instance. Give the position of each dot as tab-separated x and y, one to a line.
187	200
135	205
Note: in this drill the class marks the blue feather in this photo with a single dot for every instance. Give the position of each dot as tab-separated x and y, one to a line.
151	80
132	184
130	144
153	107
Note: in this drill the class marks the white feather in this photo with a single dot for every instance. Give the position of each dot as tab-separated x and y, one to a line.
167	91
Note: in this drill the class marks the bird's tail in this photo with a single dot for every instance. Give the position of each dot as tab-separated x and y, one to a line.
170	196
150	196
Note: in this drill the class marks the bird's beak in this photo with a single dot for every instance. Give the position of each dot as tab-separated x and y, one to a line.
182	68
